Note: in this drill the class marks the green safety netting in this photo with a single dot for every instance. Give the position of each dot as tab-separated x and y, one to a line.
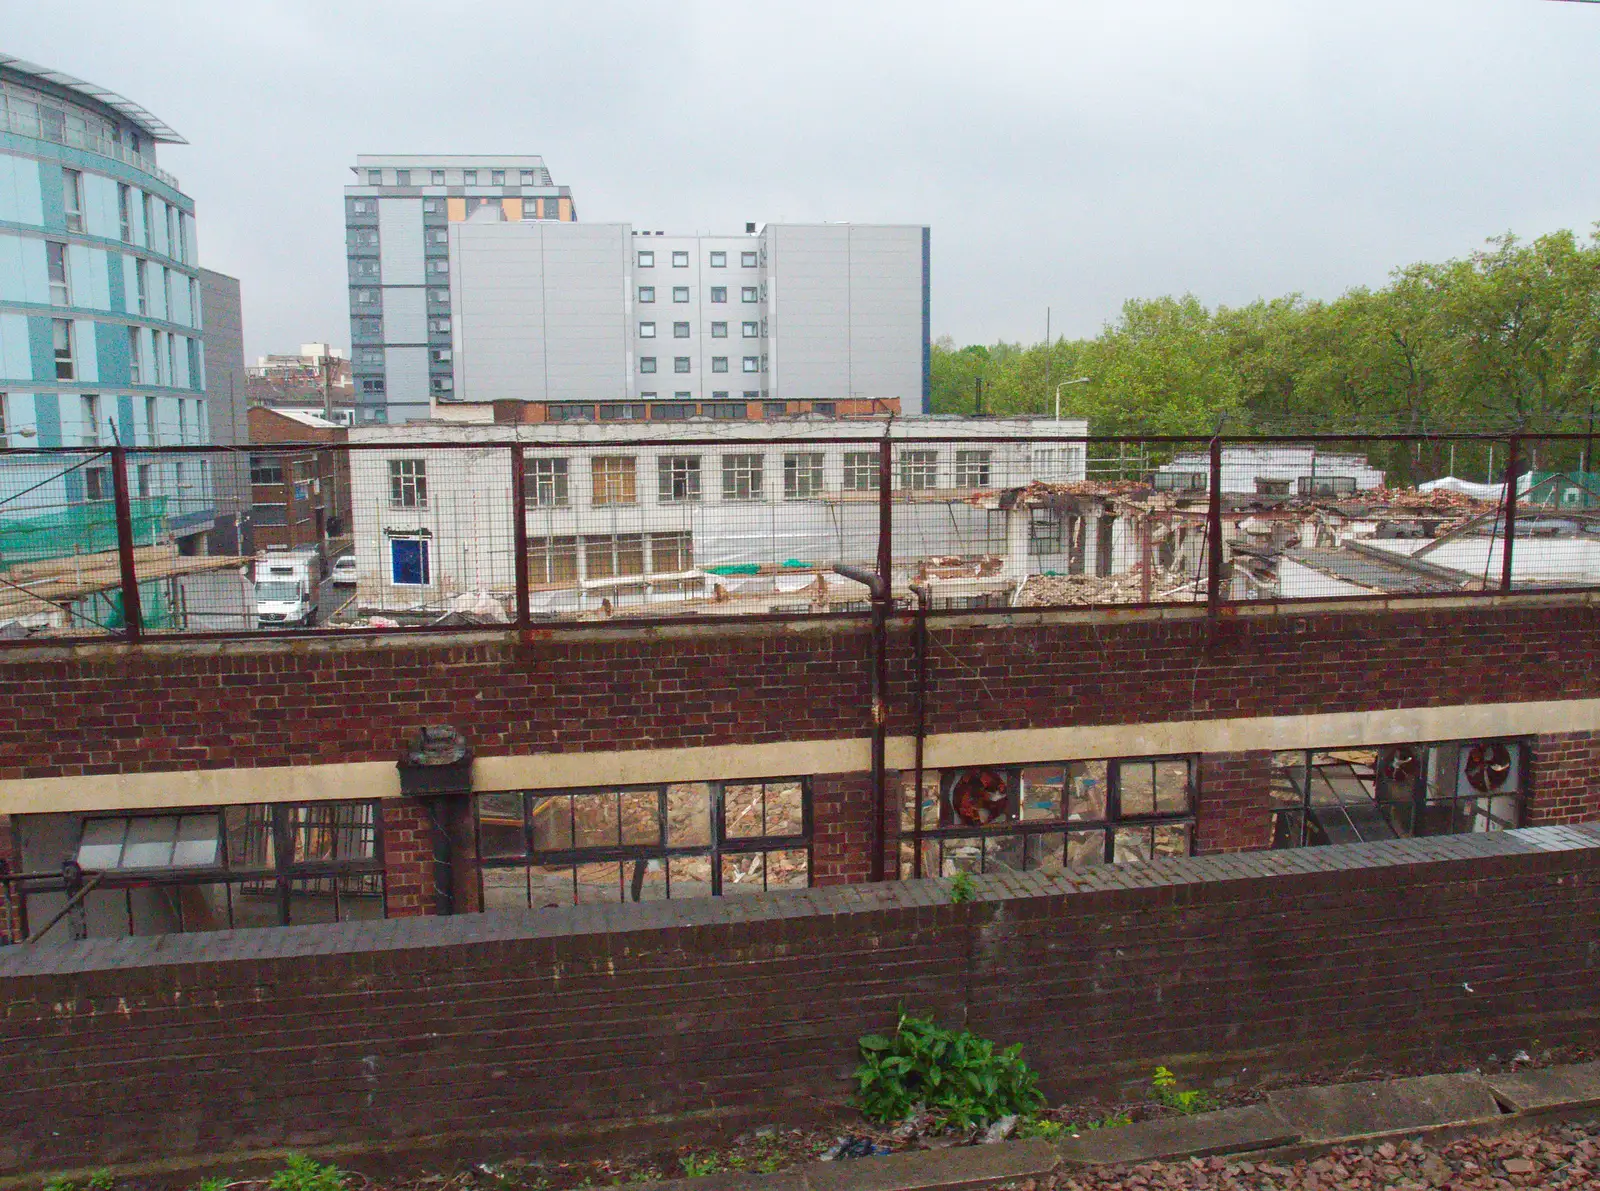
80	529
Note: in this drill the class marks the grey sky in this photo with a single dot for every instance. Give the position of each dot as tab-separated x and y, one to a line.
1071	154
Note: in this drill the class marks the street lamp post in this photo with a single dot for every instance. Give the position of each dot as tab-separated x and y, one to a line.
1082	380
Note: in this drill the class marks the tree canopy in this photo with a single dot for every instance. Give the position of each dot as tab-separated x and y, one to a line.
1505	339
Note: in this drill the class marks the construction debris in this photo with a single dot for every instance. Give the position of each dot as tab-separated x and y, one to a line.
1166	587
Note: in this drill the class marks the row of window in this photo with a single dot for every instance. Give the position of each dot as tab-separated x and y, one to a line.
160	368
258	865
1199	481
614	478
684	364
59	270
680	259
66	124
436	177
680	293
72	207
681	407
753	329
90	421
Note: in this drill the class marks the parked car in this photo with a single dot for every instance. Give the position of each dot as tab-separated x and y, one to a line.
344	570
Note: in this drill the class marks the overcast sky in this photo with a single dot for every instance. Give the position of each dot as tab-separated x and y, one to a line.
1069	154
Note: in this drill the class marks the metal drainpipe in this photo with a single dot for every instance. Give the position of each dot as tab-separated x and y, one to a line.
921	592
880	725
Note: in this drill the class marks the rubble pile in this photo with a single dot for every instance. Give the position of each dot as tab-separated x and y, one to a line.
1557	1157
1440	500
1166	587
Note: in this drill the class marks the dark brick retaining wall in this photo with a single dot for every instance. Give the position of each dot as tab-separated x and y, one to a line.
572	1022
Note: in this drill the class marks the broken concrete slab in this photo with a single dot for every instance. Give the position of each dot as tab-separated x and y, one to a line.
1230	1131
1357	1110
1574	1086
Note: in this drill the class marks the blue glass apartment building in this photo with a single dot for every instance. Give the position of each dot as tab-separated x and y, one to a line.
100	299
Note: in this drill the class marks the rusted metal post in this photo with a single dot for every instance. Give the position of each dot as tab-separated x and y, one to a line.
1214	530
882	603
132	616
519	533
1512	454
1146	557
922	594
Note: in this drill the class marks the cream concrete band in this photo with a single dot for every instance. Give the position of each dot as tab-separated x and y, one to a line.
544	771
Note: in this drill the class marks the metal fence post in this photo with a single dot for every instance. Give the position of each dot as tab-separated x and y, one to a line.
132	615
519	534
1513	452
1214	530
882	604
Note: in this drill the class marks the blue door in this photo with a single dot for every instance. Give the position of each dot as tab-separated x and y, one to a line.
408	560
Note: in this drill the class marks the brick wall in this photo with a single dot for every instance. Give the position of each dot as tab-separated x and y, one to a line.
842	806
563	1025
1565	779
1234	811
66	712
408	881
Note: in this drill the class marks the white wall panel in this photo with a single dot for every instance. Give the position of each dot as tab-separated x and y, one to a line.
405	315
400	240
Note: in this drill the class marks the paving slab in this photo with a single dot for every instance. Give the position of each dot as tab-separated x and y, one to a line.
937	1170
1358	1110
1576	1085
1229	1131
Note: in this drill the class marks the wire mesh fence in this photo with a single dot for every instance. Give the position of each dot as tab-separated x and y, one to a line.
397	534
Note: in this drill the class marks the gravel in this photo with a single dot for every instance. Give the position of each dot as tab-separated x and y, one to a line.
1562	1156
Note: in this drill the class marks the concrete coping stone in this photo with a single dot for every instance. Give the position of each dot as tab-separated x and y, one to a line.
1352	1111
952	1169
1229	1131
1574	1086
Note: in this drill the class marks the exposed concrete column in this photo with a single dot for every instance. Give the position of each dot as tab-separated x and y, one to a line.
1091	544
1018	520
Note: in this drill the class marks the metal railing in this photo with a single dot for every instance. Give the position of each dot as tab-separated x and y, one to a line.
387	536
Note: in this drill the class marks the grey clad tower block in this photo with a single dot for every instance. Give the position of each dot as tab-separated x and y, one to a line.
541	310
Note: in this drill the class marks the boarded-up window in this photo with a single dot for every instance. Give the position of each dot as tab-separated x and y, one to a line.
614	480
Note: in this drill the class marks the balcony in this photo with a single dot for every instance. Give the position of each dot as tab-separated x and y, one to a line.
31	126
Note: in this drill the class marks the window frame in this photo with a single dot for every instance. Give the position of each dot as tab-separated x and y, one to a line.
616	483
1016	824
804	475
547	482
678	479
719	843
408	483
743	481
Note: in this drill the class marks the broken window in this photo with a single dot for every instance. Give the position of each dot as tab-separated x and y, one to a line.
678	477
741	477
408	483
1045	532
1053	817
220	868
1357	795
643	843
1180	481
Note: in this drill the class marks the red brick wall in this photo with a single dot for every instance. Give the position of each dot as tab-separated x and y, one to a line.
64	713
407	859
566	1024
1234	813
842	808
1564	785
